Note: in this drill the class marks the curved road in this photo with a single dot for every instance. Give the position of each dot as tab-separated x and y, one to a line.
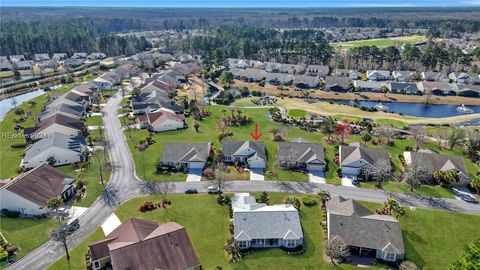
124	185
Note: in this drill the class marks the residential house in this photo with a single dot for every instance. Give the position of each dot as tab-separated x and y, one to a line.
186	155
109	79
404	76
306	82
126	71
145	245
72	98
431	162
41	57
257	225
367	86
363	231
250	153
337	84
459	77
164	120
378	75
350	73
403	88
473	78
59	56
5	66
291	69
48	64
355	158
185	69
56	123
29	192
73	63
301	155
23	65
272	67
436	88
317	71
65	109
279	78
3	59
55	149
96	56
16	58
252	75
435	76
79	55
465	90
86	89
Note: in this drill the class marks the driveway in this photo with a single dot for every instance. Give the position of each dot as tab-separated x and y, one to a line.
194	175
316	177
347	181
257	175
110	224
462	192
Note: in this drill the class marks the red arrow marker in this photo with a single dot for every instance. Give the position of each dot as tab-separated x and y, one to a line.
256	136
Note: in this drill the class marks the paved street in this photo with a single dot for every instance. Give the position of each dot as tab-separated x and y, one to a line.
124	185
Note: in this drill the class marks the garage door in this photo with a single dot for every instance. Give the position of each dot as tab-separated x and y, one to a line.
312	167
349	170
256	165
196	165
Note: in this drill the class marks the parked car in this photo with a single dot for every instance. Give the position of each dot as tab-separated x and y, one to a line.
191	191
468	199
355	182
213	190
73	226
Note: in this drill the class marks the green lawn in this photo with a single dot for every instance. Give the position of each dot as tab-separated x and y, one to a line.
341	117
91	177
151	156
243	102
391	122
94	121
380	42
432	238
10	157
297	113
432	191
27	234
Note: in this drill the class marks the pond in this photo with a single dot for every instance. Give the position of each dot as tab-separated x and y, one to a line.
6	104
415	109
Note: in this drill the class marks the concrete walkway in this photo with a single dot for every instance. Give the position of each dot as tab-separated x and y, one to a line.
110	224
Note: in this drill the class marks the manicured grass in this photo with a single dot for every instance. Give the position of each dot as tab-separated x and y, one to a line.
432	238
94	121
10	157
340	117
25	233
207	133
297	113
380	42
425	190
243	102
77	255
391	122
91	177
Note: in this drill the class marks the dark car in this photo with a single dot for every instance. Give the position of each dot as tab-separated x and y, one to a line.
355	182
191	191
469	199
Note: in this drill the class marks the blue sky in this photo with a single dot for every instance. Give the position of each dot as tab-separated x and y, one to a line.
243	3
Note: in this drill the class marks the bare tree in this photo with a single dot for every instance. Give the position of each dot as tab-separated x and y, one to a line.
220	180
63	230
337	250
380	173
417	173
455	137
418	135
164	188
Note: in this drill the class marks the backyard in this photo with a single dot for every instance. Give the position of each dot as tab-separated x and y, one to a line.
426	234
380	42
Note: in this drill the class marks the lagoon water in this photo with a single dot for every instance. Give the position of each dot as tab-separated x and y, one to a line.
414	109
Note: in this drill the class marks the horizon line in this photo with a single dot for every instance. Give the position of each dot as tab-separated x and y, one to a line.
246	7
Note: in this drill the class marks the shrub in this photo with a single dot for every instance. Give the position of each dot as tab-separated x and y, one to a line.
309	201
18	145
3	256
10	214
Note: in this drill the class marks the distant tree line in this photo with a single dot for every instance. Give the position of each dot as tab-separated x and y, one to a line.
55	35
288	46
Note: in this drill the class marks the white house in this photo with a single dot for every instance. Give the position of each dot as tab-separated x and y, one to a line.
378	75
55	149
250	153
257	225
29	193
164	120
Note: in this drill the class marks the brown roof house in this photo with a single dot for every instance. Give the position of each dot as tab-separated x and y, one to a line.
29	192
363	231
432	162
57	123
144	245
162	120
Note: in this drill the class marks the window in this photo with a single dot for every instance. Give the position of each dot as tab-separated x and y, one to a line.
242	244
290	243
389	256
97	264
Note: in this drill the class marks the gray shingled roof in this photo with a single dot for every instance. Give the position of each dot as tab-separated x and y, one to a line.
259	221
300	152
186	152
308	81
231	147
279	77
440	162
56	139
360	227
352	153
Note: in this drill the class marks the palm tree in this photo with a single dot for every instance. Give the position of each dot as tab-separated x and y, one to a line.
324	196
274	131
